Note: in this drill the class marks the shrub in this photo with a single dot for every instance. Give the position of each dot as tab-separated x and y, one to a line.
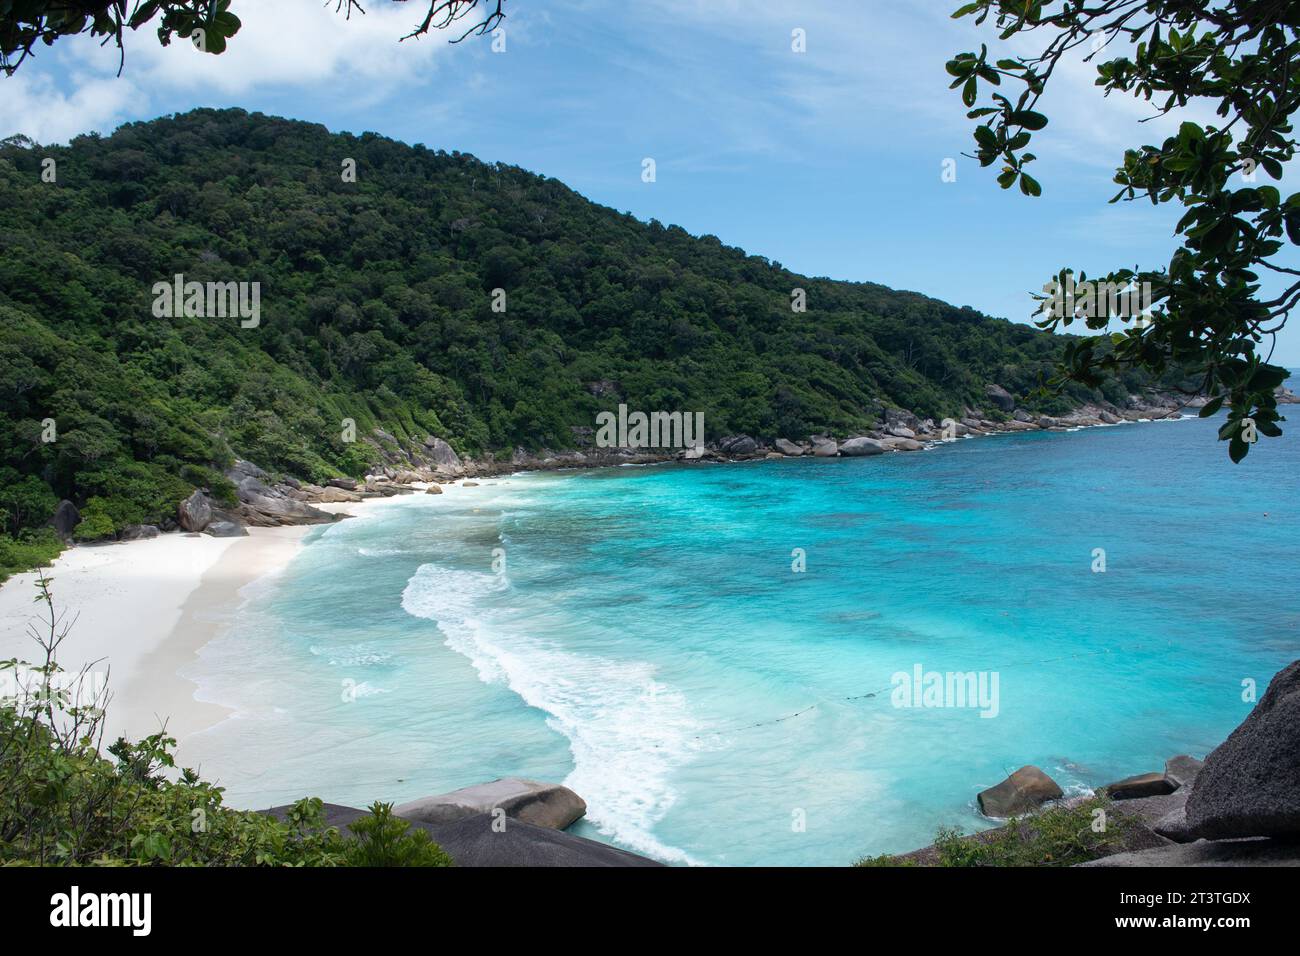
382	840
34	547
96	522
1057	836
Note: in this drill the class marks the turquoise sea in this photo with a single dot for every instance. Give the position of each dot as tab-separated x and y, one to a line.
649	642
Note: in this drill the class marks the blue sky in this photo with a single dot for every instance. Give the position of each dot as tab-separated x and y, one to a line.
828	161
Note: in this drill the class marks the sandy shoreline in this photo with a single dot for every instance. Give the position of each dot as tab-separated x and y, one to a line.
142	610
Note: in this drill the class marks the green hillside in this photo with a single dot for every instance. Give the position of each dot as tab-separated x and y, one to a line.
376	306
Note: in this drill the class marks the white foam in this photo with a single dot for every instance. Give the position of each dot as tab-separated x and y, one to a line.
627	732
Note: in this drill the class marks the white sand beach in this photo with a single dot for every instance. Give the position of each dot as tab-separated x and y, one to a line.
141	610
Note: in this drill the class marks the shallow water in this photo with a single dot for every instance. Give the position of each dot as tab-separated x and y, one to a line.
648	642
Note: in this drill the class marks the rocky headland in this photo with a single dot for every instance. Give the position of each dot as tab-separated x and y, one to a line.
1240	806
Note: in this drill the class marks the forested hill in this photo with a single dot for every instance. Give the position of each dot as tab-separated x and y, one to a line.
376	304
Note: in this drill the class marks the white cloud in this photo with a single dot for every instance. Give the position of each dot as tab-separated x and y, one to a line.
34	106
282	46
295	43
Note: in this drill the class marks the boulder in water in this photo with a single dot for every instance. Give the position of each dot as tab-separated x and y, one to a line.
1024	791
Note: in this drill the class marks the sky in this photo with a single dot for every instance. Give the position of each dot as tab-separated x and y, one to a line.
829	161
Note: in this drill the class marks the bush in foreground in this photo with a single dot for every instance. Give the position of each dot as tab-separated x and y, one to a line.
1058	836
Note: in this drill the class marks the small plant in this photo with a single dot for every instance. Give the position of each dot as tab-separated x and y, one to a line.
382	840
1057	836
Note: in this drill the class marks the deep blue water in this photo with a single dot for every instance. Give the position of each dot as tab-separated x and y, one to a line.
648	641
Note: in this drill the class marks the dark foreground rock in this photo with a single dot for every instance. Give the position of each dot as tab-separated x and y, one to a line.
1250	784
1025	790
541	804
1209	853
472	841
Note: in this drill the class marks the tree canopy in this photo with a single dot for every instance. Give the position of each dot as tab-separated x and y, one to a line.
1239	57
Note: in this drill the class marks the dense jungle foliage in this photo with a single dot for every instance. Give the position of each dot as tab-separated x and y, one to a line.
376	305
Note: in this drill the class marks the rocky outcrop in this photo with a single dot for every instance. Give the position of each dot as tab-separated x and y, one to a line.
1182	770
137	532
262	505
1025	790
898	431
1140	785
900	418
480	840
1250	784
194	513
333	495
443	457
541	804
66	517
1208	853
433	490
861	447
737	446
225	528
787	447
1000	398
902	444
825	448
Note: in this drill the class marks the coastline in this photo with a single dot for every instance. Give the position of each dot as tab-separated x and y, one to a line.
140	612
143	609
212	600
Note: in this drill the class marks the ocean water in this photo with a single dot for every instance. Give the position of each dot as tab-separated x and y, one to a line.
642	635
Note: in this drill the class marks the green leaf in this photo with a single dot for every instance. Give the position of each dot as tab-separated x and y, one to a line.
1028	119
